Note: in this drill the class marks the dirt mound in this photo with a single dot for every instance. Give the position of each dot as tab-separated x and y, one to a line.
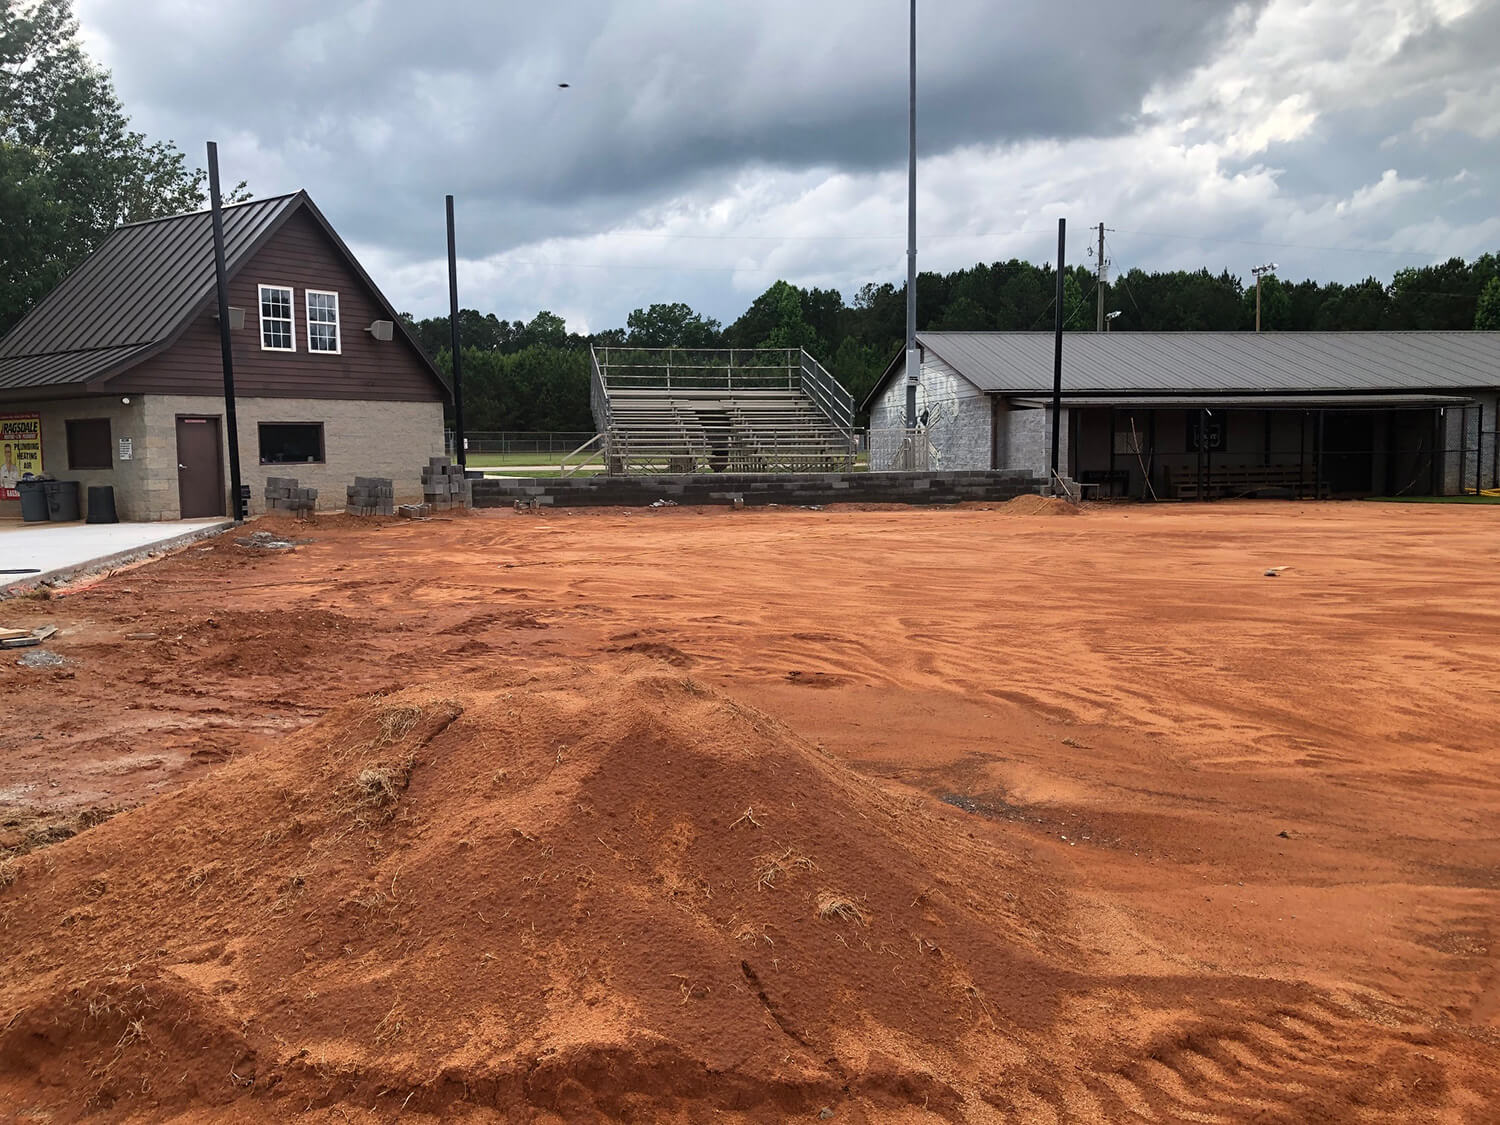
1040	506
588	893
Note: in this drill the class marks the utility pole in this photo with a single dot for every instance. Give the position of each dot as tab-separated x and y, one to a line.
1259	272
237	510
1103	266
913	360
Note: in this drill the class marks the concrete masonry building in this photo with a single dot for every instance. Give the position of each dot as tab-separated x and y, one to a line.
118	370
1206	414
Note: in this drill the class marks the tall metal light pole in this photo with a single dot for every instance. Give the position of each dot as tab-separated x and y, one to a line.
1057	348
237	510
913	362
1259	272
458	382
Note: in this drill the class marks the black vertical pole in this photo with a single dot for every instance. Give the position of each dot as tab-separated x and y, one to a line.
1495	450
1114	423
231	425
1208	453
1390	453
913	360
1318	474
1057	320
458	381
1302	456
1463	449
1479	449
1438	457
1151	442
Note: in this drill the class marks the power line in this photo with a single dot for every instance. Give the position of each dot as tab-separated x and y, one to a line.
1281	245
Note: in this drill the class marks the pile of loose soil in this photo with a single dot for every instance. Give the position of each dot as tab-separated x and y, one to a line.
1040	506
591	892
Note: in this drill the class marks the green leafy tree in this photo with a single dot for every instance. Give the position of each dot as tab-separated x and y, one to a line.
1361	307
484	331
1487	316
546	328
670	326
71	169
776	319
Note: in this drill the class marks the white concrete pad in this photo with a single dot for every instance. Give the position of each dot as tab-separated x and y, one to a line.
55	550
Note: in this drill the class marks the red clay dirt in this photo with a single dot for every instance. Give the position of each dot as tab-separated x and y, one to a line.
680	815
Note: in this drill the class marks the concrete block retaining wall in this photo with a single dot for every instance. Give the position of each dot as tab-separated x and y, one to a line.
759	489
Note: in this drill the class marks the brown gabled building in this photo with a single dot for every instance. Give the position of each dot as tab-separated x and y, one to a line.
121	365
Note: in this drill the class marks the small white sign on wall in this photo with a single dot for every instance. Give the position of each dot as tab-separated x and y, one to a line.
127	448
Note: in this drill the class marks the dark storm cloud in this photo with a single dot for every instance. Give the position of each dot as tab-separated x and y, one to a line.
380	106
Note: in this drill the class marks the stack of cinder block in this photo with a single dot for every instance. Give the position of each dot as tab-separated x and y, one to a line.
444	486
283	495
370	496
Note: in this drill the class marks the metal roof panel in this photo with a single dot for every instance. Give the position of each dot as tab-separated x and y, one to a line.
1209	362
142	283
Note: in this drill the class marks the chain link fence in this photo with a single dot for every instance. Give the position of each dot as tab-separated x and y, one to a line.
545	442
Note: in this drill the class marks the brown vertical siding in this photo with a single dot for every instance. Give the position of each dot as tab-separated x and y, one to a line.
299	255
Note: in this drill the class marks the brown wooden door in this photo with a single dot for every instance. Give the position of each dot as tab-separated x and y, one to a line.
200	468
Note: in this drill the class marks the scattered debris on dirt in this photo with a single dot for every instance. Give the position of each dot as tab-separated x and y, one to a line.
26	638
267	541
662	504
41	658
22	834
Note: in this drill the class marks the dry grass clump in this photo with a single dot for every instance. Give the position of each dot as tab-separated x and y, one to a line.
376	790
389	724
771	869
837	908
10	871
392	1024
395	723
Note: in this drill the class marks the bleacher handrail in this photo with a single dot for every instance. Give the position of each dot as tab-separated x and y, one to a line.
828	393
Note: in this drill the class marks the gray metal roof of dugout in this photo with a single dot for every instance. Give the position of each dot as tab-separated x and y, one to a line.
133	296
1220	362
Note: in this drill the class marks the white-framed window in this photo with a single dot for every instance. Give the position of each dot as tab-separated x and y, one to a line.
278	330
323	321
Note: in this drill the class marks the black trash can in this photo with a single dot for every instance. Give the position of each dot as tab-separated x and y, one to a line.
102	504
62	500
33	500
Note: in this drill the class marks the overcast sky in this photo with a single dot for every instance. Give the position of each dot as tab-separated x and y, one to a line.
706	149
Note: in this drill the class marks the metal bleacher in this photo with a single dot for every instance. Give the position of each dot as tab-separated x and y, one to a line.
678	410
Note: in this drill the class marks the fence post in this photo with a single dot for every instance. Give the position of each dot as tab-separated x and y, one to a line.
1479	450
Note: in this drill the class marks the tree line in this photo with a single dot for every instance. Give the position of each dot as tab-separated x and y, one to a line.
534	375
71	168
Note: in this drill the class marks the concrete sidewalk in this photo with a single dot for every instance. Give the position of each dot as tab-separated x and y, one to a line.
52	551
